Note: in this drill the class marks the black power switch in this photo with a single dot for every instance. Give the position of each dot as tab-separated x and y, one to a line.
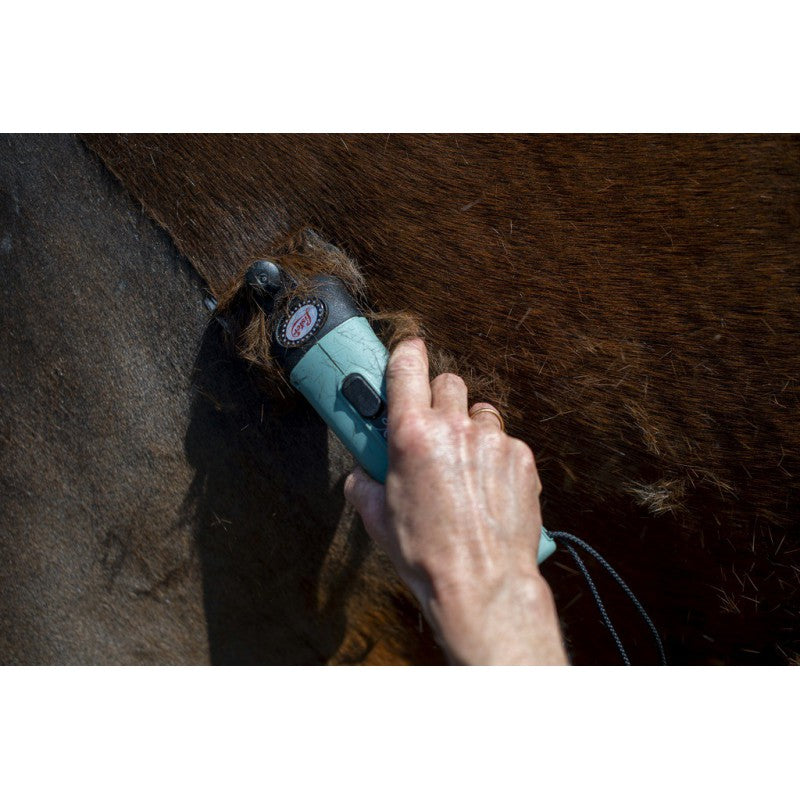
362	396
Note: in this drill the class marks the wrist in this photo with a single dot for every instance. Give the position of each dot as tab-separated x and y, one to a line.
512	622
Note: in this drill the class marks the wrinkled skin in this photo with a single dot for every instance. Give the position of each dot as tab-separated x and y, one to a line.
460	518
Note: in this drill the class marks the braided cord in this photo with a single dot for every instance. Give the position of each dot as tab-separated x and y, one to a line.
568	537
600	606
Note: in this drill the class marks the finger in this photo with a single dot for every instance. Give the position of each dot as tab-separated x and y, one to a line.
486	415
449	393
368	497
407	383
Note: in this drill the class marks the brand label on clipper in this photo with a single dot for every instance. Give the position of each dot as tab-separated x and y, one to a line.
304	320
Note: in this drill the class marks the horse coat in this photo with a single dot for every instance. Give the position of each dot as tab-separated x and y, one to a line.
637	297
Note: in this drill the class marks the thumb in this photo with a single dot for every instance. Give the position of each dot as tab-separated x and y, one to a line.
368	497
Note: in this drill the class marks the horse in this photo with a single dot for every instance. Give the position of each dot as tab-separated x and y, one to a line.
632	300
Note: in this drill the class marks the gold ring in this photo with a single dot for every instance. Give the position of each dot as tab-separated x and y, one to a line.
489	411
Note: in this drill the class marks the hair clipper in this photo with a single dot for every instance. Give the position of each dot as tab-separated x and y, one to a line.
331	354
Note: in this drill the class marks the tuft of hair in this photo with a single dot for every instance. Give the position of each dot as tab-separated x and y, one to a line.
660	497
486	386
392	327
303	256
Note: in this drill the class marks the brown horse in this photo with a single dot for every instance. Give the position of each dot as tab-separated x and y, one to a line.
637	297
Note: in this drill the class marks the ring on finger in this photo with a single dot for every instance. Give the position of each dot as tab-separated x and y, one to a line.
488	410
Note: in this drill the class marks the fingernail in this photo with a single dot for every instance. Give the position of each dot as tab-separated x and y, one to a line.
349	483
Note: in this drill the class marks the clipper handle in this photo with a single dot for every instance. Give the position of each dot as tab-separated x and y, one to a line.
343	376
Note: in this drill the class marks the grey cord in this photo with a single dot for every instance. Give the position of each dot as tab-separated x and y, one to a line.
568	537
600	606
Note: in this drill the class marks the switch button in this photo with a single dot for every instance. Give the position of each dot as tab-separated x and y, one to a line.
362	396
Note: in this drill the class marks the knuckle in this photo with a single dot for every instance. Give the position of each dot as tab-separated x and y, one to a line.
524	456
528	466
405	363
492	437
449	380
409	433
457	424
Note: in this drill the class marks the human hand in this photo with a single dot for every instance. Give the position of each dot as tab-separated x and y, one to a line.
459	517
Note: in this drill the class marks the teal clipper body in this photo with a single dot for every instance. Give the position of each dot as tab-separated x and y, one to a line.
332	355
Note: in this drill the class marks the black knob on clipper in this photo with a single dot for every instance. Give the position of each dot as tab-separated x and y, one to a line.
266	280
265	277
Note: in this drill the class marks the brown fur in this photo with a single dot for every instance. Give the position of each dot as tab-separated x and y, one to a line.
639	296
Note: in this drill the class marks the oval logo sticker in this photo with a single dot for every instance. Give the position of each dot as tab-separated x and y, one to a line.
302	323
